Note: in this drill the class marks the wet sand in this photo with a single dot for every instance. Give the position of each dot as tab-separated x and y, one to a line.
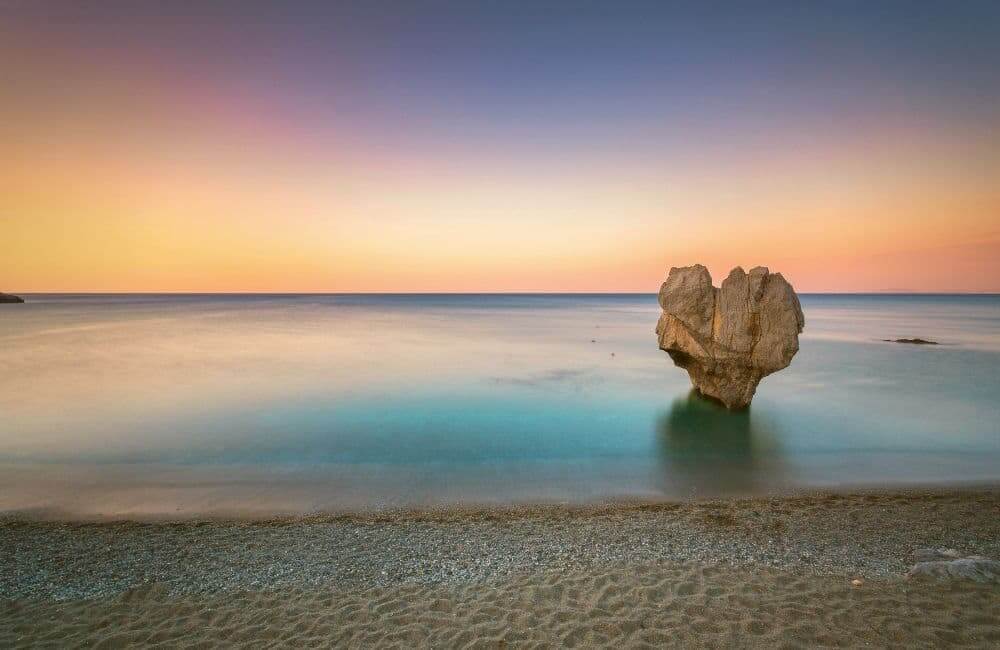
755	572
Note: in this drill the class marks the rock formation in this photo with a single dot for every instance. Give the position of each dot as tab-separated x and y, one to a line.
729	338
6	297
949	564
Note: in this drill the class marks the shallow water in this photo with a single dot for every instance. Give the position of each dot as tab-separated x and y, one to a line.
152	404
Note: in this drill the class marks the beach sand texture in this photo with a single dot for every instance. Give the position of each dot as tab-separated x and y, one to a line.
746	573
629	606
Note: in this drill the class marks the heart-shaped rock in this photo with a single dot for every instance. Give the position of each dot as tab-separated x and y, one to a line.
729	338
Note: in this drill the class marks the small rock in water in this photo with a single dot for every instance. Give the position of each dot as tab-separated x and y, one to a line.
911	341
857	582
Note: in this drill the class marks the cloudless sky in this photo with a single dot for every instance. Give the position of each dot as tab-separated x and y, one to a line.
497	146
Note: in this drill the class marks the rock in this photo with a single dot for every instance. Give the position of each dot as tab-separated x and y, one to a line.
729	338
974	567
857	582
911	341
6	297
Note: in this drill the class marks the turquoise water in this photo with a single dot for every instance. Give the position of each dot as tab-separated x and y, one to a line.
161	404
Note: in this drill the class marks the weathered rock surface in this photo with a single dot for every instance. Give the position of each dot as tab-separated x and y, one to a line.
948	564
6	297
729	338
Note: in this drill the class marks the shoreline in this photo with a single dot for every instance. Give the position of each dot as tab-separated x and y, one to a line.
471	510
755	572
869	532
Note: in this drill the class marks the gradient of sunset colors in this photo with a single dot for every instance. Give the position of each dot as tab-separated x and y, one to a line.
497	146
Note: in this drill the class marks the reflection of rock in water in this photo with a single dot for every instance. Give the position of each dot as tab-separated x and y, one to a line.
708	450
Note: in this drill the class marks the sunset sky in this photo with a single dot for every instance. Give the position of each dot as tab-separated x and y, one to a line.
497	146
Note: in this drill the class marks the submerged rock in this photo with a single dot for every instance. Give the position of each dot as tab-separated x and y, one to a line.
911	341
6	297
948	564
729	338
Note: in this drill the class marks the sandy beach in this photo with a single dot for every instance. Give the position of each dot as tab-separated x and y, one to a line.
768	572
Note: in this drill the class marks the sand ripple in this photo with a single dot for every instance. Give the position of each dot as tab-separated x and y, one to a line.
656	605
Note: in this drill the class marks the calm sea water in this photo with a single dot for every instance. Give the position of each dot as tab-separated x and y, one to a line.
155	404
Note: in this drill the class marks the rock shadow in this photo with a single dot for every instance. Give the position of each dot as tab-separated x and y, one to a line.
707	450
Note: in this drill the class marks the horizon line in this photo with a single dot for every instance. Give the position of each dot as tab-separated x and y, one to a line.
469	293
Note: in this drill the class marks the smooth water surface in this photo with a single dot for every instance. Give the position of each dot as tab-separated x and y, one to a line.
165	404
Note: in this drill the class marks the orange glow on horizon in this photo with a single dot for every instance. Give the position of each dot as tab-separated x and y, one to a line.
118	177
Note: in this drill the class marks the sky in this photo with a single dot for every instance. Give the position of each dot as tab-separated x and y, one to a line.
497	146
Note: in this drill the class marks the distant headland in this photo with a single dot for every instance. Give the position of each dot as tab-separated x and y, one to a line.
6	297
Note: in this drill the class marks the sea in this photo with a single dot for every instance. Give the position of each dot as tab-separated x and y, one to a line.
177	405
